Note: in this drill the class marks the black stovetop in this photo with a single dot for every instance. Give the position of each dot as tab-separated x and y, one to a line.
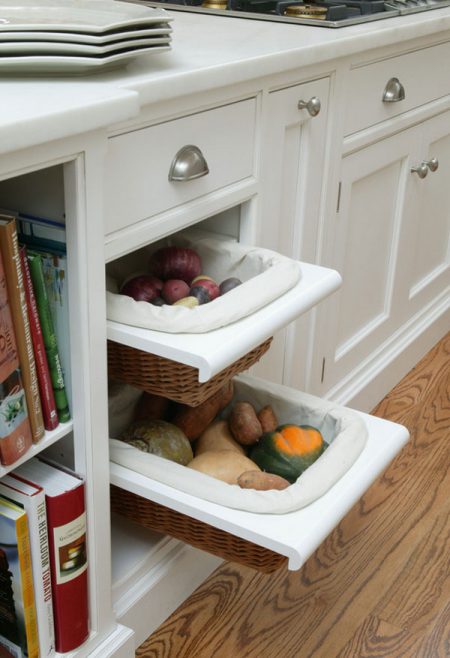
336	13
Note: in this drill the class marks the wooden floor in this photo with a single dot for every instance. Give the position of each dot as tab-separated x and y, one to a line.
378	587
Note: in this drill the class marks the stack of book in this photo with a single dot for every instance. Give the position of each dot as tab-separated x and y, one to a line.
43	561
34	332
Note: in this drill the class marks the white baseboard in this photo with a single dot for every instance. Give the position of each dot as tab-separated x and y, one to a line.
163	589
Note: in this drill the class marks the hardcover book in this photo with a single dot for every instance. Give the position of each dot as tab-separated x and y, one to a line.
49	410
54	267
31	498
9	247
66	518
15	546
15	430
49	335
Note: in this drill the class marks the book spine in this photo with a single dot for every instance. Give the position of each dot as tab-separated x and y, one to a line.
9	246
66	517
29	608
54	267
9	628
15	429
11	486
48	332
49	411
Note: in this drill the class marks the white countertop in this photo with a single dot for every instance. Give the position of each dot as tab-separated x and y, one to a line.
208	52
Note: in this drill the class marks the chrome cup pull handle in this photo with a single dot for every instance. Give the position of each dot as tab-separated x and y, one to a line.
432	164
188	164
394	91
421	170
312	106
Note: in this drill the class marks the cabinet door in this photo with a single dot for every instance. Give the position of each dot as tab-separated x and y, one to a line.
293	157
424	250
362	242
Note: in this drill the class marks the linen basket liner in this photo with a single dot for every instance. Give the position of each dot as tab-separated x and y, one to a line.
265	275
342	429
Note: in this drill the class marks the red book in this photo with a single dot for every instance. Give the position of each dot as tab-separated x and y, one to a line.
66	520
49	411
15	429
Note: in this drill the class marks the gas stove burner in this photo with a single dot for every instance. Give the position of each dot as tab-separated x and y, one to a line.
306	11
215	4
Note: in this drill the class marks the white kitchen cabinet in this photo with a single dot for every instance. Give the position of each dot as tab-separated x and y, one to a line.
274	187
293	176
389	236
424	239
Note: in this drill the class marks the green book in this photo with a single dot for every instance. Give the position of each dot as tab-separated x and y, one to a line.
49	335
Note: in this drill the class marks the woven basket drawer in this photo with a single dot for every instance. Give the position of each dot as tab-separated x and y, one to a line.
200	535
173	380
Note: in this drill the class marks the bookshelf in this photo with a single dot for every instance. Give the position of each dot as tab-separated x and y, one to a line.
49	439
51	181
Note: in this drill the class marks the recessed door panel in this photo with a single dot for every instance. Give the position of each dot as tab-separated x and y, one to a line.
426	230
362	243
367	264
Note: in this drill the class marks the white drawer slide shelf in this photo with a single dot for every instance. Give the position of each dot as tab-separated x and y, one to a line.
294	535
215	350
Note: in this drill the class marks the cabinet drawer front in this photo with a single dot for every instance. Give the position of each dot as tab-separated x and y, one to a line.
422	75
138	163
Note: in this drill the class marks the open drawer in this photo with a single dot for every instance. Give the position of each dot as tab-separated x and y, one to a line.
263	541
215	350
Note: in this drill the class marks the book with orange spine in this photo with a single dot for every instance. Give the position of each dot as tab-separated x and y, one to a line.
9	247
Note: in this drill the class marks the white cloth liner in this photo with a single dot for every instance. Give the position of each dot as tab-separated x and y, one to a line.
342	429
265	275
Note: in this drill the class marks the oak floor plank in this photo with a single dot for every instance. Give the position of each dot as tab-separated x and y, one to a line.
378	585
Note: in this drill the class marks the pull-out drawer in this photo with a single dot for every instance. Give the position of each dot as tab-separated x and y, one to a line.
384	89
213	351
264	541
160	167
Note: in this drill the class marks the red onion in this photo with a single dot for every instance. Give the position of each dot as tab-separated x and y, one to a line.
175	263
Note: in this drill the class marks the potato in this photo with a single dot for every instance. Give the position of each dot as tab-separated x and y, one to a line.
217	436
225	465
266	416
194	420
261	481
244	424
173	290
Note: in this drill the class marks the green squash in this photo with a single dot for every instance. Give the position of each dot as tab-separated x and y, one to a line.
159	438
289	450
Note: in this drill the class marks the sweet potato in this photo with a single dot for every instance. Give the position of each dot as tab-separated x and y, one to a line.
244	424
152	407
261	481
267	418
217	436
194	420
225	465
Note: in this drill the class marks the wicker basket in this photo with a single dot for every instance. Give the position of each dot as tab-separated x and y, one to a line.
171	379
200	535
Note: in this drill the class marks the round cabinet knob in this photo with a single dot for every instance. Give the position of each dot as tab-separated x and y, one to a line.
421	170
394	91
312	106
432	164
189	163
